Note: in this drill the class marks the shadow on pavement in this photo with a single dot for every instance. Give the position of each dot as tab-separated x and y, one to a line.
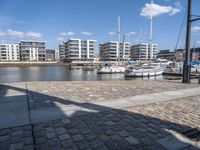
88	126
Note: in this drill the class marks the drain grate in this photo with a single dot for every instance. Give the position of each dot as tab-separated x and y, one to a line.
193	134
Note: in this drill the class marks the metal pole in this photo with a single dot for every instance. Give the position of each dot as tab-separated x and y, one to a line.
123	52
119	38
151	32
186	66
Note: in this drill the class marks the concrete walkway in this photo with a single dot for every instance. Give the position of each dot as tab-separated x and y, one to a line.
13	105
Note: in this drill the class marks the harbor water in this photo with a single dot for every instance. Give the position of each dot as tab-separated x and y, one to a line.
56	73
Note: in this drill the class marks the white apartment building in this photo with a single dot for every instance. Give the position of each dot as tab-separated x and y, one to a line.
61	52
77	49
143	51
9	52
32	50
114	51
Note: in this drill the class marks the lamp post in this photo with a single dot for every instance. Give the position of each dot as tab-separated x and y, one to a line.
186	66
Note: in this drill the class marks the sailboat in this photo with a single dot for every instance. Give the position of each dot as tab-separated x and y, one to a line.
109	68
150	69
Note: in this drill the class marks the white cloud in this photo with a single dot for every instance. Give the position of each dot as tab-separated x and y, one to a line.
112	33
157	10
131	33
60	39
196	28
63	34
33	34
197	42
2	33
70	33
86	33
15	33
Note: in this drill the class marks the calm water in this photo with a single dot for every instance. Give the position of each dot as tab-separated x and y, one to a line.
53	73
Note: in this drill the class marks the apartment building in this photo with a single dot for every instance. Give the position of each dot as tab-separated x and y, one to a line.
77	49
114	51
50	55
194	52
32	51
166	54
143	51
9	52
61	52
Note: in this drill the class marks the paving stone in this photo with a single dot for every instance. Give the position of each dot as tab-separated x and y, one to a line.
82	145
27	127
67	143
39	134
96	144
124	145
73	131
16	139
37	128
28	140
40	140
111	146
77	138
110	123
104	137
51	135
89	137
17	133
27	133
29	147
5	132
49	129
131	140
66	121
84	131
61	130
109	132
16	146
115	137
4	138
53	142
4	145
123	133
64	137
171	143
147	141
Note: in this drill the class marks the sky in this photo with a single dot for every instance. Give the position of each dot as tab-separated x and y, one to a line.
54	21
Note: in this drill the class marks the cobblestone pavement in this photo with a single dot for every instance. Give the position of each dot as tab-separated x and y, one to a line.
141	127
51	94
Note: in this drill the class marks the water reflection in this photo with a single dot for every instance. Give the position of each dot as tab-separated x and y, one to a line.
54	73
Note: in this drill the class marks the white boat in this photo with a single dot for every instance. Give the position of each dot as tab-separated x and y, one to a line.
143	71
178	70
109	69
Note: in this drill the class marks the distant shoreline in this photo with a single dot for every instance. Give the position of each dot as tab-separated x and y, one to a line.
30	64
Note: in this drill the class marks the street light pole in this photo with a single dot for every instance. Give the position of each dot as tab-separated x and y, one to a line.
186	66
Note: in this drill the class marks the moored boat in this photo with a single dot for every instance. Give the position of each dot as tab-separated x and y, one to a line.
143	71
109	69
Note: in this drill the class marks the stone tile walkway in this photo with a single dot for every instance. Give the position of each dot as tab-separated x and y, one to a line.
152	126
50	94
157	125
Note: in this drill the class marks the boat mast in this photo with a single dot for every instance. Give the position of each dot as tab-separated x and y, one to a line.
119	38
151	32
